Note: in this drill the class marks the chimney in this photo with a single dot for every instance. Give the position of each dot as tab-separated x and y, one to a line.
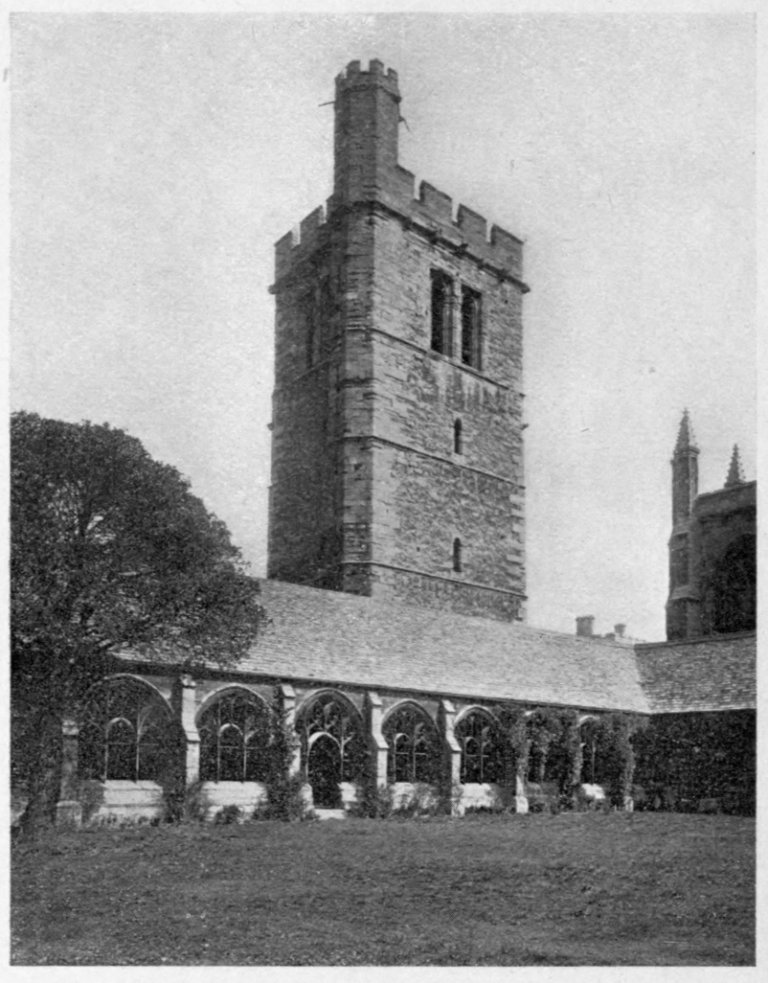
619	630
584	625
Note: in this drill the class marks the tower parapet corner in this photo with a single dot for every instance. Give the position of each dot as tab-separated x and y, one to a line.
353	76
300	241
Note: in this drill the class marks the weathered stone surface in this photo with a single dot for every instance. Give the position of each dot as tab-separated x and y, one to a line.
369	491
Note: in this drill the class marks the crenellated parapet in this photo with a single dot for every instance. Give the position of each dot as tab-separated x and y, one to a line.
301	242
354	77
367	176
431	212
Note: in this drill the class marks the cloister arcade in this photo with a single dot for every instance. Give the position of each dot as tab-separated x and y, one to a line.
134	737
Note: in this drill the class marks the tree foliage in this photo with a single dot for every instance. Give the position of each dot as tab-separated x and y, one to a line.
111	552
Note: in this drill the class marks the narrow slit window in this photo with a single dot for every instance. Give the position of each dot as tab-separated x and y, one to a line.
470	327
457	556
457	445
441	305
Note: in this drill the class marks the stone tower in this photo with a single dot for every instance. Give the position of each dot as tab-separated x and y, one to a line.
712	549
397	440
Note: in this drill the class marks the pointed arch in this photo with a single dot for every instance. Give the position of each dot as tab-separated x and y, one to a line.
128	732
235	736
479	736
413	741
329	718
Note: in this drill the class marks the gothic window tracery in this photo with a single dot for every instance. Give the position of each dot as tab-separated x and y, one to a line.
127	733
330	721
414	748
481	748
234	739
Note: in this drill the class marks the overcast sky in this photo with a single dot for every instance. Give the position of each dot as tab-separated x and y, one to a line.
157	158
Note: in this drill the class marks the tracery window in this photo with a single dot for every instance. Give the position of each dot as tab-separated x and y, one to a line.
482	752
234	739
414	748
128	733
333	719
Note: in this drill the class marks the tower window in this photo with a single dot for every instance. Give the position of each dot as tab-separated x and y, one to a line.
470	327
457	556
457	446
441	307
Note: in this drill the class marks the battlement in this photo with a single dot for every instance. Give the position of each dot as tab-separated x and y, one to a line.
354	77
431	211
367	173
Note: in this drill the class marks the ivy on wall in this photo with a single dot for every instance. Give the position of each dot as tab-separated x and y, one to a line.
683	759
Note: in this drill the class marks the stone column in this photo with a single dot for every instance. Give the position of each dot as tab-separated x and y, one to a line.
69	810
378	748
288	706
521	799
452	773
188	711
287	699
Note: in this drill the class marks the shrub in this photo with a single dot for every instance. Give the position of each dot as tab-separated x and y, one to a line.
184	803
228	815
373	802
285	800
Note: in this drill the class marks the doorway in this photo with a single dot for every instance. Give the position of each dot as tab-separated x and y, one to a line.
324	772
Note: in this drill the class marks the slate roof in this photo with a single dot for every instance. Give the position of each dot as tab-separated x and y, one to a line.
699	674
332	637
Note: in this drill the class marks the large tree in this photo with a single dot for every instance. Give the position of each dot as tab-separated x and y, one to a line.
110	552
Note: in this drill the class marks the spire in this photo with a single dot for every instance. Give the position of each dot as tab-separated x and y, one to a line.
685	472
685	439
735	472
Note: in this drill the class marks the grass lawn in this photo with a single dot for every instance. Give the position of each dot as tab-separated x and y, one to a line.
573	889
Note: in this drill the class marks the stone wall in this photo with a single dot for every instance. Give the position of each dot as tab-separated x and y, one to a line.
369	488
723	559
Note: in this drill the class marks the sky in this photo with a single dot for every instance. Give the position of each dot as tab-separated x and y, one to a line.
155	160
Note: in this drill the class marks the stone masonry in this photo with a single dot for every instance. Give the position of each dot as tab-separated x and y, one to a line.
712	549
397	461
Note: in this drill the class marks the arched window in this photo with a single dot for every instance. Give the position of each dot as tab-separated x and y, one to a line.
234	739
482	750
331	716
127	733
333	747
457	556
414	748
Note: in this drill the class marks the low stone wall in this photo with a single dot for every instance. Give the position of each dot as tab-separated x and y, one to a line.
129	802
247	796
